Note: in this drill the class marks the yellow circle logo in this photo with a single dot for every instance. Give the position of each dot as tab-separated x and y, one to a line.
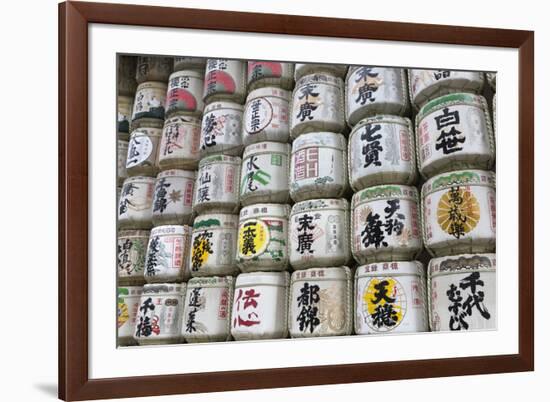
122	314
253	238
384	304
458	212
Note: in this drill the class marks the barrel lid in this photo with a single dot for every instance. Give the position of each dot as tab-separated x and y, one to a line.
383	192
210	221
180	118
265	210
129	291
322	273
213	159
138	179
170	230
352	69
186	73
164	289
448	100
269	92
266	146
211	282
148	131
321	204
262	278
188	174
382	119
133	233
319	78
152	84
462	263
459	178
390	268
319	139
223	105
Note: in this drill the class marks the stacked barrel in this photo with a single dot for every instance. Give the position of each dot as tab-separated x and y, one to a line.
456	156
234	211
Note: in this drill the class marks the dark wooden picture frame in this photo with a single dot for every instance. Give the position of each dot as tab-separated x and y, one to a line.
74	382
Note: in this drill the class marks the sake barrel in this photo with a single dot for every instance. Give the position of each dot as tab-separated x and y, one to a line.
217	185
214	245
260	308
221	129
263	237
143	151
385	224
320	302
375	90
225	80
459	213
179	144
160	314
317	105
492	80
207	309
463	292
266	116
135	202
149	103
318	166
454	132
390	297
189	63
126	75
122	154
124	114
319	233
173	199
128	298
168	254
264	173
337	70
381	150
184	94
153	68
270	73
131	252
425	85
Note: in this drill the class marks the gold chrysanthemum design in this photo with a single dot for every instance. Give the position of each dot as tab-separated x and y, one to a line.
458	212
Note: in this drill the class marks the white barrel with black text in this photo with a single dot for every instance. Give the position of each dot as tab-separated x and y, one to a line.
217	184
128	298
179	144
131	252
375	90
143	151
135	203
463	292
160	314
454	132
222	124
168	254
381	150
320	302
225	79
319	233
264	173
173	199
207	309
385	224
270	73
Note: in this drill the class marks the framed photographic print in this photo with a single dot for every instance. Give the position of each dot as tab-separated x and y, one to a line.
261	200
